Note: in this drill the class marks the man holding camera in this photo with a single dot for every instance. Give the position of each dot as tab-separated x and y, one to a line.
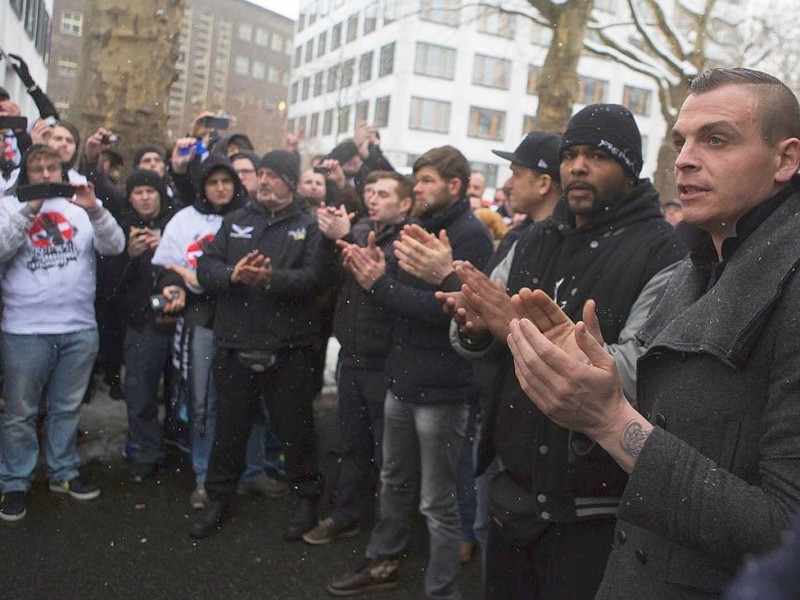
49	333
145	312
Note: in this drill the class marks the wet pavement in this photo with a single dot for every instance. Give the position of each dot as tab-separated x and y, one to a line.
132	542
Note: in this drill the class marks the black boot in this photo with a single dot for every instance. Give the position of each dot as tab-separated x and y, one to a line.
304	519
210	519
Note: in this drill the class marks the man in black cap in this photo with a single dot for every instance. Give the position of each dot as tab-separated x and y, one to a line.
552	506
263	267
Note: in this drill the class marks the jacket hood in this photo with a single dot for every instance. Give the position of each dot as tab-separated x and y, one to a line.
213	163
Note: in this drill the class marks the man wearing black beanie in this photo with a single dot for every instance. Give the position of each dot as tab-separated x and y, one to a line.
264	269
552	506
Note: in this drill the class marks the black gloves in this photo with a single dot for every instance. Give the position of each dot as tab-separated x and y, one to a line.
21	70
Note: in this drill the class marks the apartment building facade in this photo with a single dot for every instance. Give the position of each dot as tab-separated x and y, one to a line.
234	58
434	72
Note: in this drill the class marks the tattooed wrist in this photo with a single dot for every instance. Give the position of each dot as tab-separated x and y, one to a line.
634	436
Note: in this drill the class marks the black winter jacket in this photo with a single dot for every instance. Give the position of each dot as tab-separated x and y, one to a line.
284	315
610	260
362	327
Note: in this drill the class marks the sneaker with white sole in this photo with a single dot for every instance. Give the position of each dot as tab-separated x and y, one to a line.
12	506
78	488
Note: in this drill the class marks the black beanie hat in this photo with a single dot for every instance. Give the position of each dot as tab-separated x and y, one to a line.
142	150
285	164
610	127
146	177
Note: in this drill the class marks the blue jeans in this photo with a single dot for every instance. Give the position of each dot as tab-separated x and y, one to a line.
466	475
57	367
426	438
203	414
146	354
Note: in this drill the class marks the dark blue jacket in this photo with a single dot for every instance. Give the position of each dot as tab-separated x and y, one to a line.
422	366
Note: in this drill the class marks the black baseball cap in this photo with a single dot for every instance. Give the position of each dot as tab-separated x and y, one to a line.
537	150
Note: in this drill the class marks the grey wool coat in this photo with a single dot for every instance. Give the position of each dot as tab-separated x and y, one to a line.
719	477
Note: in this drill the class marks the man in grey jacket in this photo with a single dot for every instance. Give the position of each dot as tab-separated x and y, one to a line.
713	448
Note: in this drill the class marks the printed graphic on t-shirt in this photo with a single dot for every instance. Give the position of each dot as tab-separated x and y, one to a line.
52	237
196	248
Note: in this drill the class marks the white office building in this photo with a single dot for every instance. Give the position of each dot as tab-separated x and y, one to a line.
435	72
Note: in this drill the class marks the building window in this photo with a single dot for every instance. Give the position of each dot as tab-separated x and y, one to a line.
352	27
348	70
333	78
273	74
429	115
435	61
241	65
591	91
528	124
322	42
496	22
318	83
541	35
301	22
386	66
293	95
365	67
362	111
491	72
486	124
72	22
370	18
245	32
306	88
301	124
298	56
343	124
67	66
262	37
488	170
314	128
381	118
445	12
259	69
310	50
637	100
533	79
327	122
336	36
279	43
391	11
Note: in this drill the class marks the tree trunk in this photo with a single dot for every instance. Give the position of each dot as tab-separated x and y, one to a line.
558	82
126	69
664	175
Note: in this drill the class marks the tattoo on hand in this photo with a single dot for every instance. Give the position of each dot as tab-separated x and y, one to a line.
633	438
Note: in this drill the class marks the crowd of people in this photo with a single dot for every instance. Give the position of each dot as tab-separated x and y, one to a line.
597	402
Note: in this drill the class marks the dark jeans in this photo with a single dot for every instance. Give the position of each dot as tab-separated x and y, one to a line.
562	561
146	353
362	393
288	387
